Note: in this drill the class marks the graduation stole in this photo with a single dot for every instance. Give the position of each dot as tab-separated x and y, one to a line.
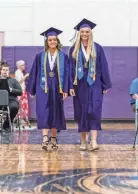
79	67
60	69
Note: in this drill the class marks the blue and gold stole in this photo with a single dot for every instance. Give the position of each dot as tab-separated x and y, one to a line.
60	69
91	69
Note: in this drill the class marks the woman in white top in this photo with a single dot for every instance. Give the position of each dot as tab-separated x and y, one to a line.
23	100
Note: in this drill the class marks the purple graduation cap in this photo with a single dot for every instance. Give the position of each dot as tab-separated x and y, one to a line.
51	32
85	24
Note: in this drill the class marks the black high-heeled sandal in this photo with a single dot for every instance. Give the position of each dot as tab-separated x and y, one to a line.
45	143
54	145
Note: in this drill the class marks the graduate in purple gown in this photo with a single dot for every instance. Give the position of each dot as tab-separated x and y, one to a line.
89	81
48	80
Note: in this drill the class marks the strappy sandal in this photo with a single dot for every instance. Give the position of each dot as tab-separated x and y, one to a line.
93	146
45	143
54	144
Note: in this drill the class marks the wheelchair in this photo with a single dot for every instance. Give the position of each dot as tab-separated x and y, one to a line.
136	123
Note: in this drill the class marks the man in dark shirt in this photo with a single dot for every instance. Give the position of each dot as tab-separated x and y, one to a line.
15	90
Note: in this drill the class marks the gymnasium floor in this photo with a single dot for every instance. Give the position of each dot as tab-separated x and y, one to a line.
26	168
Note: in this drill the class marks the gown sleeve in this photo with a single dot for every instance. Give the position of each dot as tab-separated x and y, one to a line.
32	80
71	69
105	77
66	75
18	76
16	90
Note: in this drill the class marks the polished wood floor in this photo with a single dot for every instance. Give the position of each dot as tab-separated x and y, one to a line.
26	168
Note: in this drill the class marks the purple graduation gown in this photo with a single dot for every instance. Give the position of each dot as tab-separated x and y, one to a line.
88	99
49	106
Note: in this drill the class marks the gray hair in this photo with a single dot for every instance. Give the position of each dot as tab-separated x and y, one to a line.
19	63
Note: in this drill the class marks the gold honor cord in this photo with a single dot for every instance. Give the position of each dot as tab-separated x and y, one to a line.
94	66
93	74
94	61
58	69
45	73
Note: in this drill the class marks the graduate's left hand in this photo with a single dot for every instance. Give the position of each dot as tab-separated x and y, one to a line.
65	95
105	91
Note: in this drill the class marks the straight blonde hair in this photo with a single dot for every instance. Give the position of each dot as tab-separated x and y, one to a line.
90	48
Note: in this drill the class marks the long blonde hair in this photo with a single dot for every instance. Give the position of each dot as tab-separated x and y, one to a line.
90	48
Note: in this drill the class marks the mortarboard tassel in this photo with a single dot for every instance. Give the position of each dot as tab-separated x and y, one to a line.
74	37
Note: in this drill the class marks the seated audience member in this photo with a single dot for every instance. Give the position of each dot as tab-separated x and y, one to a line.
134	93
15	90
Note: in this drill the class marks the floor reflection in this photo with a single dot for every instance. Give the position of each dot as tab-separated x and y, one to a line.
26	168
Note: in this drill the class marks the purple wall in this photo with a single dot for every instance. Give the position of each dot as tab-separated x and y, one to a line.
123	67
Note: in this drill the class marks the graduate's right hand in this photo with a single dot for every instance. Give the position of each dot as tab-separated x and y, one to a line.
72	92
105	91
65	95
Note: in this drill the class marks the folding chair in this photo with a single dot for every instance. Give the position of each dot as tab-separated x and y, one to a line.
136	122
4	110
17	122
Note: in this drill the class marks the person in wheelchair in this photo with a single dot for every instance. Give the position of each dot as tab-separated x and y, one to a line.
15	90
134	93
